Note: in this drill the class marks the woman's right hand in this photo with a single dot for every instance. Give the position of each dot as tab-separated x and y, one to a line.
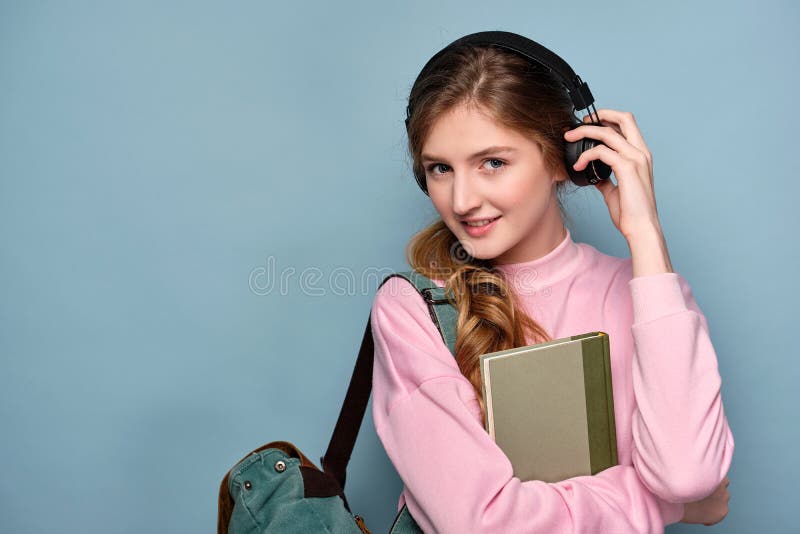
710	510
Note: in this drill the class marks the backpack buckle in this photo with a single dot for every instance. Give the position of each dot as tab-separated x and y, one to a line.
427	294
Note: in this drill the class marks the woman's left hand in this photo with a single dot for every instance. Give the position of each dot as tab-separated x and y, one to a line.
712	509
632	201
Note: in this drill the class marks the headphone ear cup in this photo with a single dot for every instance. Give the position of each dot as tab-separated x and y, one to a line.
596	171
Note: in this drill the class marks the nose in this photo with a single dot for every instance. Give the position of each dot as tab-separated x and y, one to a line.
466	194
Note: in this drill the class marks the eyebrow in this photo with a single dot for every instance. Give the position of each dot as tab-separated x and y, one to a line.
476	155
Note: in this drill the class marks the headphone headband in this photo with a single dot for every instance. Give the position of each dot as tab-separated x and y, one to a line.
578	90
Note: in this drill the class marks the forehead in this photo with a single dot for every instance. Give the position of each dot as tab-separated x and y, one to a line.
467	129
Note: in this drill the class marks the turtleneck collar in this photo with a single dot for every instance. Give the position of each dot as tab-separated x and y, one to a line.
539	274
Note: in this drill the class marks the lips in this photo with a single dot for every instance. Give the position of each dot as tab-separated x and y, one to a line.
490	220
478	231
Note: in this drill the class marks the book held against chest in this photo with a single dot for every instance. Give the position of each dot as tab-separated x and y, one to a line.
550	406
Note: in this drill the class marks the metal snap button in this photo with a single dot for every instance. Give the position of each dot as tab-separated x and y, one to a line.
280	466
248	485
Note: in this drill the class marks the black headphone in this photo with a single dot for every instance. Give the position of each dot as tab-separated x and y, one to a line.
578	90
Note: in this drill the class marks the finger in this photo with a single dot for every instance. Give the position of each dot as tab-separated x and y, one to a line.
607	134
627	124
588	119
605	187
610	138
607	155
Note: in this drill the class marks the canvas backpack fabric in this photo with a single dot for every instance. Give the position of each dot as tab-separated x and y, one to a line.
277	489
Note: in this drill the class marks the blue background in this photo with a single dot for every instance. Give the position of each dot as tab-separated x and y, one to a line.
161	164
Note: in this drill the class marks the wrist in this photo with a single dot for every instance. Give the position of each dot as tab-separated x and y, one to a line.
644	233
649	254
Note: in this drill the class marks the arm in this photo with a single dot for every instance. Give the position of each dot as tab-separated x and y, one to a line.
682	442
457	479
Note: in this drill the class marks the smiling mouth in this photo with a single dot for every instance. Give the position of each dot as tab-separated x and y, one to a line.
478	224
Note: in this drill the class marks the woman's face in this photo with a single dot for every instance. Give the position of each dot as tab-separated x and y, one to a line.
471	177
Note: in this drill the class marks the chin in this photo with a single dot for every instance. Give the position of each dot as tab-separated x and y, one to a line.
479	250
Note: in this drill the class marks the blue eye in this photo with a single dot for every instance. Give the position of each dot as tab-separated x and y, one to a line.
441	168
432	168
501	163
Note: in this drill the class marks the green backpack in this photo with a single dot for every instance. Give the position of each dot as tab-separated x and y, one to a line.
276	488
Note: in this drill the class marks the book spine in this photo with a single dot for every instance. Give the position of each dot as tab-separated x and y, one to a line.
599	402
612	423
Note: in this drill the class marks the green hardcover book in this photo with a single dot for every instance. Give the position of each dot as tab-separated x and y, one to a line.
550	407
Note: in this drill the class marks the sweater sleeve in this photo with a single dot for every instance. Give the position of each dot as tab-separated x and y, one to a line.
456	478
682	444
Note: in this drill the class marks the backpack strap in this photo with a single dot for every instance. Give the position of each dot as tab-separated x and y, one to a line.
443	313
343	439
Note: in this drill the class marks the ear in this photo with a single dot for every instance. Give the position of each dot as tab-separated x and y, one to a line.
560	175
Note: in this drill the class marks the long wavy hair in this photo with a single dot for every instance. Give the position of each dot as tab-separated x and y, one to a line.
528	99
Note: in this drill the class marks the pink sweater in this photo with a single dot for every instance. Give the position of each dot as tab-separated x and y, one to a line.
674	443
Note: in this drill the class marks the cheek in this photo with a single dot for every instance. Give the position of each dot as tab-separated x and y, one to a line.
524	208
529	190
440	202
512	198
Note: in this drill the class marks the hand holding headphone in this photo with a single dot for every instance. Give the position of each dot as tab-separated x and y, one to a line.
631	201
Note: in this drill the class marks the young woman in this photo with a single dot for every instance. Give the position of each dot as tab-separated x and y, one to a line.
487	129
